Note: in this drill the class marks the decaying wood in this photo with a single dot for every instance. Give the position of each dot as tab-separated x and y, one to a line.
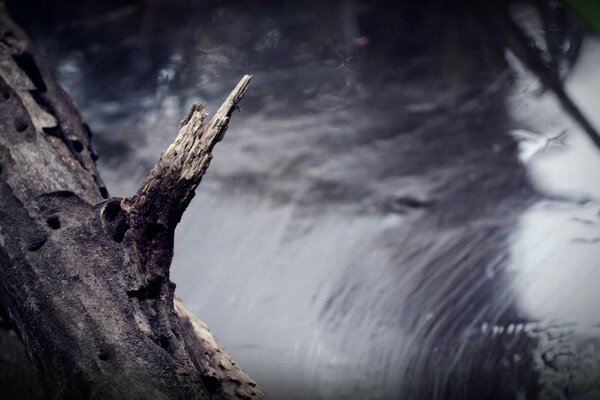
223	378
170	185
84	278
155	210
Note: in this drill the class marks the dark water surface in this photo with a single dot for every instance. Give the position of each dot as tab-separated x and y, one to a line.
387	217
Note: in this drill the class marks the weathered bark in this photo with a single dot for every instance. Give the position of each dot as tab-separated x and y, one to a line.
84	278
223	378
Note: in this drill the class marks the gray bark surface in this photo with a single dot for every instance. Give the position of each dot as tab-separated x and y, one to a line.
84	278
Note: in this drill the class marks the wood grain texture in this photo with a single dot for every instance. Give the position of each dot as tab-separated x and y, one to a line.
84	277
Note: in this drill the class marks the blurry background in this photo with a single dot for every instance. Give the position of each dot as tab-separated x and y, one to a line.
400	210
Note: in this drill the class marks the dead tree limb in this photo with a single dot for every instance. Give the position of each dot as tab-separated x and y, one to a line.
84	278
155	210
223	378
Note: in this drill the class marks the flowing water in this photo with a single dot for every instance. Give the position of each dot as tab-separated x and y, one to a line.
374	225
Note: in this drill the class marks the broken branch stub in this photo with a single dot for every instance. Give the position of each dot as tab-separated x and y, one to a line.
156	209
169	187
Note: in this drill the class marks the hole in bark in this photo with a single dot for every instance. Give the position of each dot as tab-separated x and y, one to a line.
211	383
20	124
164	342
120	231
111	210
77	145
52	131
150	291
103	356
53	222
41	99
26	62
36	243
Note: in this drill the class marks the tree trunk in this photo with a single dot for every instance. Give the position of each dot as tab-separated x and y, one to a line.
84	278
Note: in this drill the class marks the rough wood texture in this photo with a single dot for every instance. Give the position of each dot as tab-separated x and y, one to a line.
170	185
223	378
156	209
84	278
